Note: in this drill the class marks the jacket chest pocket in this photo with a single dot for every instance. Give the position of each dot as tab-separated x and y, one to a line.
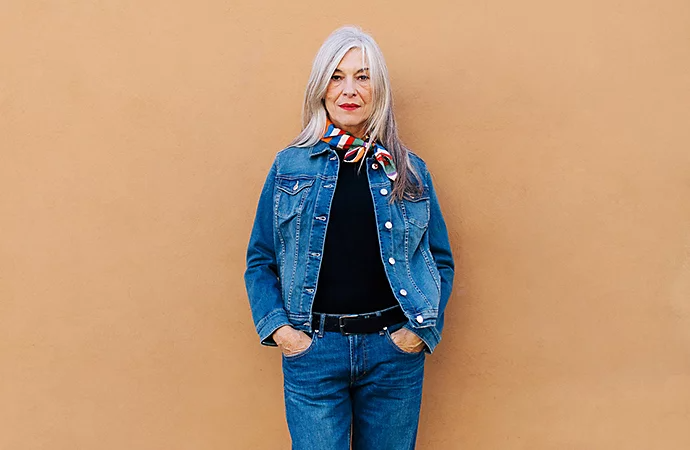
416	209
291	193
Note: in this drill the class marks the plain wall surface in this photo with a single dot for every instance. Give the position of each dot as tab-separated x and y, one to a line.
135	137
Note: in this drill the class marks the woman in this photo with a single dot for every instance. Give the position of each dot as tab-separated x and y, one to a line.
349	267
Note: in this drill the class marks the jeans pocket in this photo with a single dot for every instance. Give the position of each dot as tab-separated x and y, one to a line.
303	352
398	349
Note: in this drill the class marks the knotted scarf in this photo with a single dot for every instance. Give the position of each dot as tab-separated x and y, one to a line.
356	148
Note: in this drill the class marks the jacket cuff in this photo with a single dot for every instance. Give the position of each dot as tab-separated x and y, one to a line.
269	324
429	335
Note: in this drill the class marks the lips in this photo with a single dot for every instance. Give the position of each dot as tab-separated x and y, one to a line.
349	106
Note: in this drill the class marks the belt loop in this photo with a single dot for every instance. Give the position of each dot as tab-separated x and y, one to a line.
322	321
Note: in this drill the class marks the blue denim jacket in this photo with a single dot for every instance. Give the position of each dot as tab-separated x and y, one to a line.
287	240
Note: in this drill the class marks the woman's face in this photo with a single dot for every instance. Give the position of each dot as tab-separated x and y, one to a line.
348	96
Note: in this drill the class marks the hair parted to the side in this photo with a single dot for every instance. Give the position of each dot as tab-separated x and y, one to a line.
381	126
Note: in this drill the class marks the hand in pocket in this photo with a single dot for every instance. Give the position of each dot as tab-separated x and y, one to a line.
291	341
407	341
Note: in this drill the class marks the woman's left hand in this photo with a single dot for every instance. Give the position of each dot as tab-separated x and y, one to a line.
407	341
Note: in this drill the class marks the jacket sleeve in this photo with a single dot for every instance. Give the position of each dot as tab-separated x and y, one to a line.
262	277
439	245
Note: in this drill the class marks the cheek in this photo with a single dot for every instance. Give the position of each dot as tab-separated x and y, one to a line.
332	92
366	95
367	98
328	97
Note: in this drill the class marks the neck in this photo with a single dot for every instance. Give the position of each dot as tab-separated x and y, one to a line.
357	131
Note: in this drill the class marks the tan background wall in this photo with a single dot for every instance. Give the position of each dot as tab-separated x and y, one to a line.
134	139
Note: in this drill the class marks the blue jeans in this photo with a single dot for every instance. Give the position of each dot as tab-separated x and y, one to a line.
360	389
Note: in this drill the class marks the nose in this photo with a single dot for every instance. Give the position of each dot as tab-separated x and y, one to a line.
349	87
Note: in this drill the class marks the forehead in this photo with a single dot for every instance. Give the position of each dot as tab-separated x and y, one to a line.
353	61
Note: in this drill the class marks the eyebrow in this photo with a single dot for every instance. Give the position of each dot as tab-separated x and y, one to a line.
363	69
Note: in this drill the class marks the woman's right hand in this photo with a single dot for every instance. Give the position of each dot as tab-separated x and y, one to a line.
291	341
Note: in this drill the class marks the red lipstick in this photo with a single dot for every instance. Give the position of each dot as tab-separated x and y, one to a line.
349	106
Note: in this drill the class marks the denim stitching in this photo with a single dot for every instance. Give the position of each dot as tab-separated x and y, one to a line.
407	255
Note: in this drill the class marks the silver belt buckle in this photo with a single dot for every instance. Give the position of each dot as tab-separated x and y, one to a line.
341	324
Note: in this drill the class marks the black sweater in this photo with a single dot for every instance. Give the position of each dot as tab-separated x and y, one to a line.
352	279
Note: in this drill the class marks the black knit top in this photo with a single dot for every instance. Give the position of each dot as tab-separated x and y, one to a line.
352	279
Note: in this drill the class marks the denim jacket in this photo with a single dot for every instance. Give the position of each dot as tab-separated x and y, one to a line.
287	241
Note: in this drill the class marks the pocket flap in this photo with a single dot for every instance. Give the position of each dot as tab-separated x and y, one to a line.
424	195
293	185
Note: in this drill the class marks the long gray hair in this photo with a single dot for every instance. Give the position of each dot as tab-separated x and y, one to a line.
381	126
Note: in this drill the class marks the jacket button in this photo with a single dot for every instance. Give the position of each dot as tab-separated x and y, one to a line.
388	225
374	166
403	292
420	319
384	191
310	290
391	261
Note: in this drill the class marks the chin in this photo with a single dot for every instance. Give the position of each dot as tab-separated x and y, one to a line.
350	123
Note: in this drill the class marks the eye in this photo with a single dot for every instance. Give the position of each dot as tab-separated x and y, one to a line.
363	77
336	78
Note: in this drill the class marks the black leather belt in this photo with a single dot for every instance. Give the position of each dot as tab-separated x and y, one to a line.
359	323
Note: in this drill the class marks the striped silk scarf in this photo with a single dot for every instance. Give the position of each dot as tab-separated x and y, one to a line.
356	148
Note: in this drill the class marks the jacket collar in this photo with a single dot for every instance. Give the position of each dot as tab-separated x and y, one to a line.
319	148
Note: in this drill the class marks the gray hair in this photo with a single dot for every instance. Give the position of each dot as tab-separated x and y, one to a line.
381	126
